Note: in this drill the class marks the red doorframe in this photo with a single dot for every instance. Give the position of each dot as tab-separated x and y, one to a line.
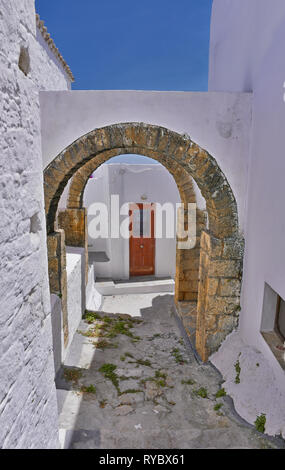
142	245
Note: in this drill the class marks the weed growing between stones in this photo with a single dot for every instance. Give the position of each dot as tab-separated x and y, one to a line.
119	327
128	354
108	370
88	389
156	335
141	362
89	333
72	375
188	382
218	406
238	371
221	393
260	423
159	379
90	317
104	344
131	390
177	356
106	328
201	392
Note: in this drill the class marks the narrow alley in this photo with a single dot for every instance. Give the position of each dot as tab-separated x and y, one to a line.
132	381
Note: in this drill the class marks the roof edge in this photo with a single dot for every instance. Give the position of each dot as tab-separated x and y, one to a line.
44	32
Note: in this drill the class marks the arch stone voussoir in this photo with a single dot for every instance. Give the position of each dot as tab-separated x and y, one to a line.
218	274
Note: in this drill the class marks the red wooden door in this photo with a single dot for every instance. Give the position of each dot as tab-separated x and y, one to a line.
142	241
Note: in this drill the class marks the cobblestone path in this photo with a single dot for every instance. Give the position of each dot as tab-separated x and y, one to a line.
132	382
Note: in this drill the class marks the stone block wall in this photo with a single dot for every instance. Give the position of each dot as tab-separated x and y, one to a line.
73	222
220	276
187	263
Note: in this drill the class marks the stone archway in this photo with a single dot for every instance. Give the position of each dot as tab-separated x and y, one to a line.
220	263
73	222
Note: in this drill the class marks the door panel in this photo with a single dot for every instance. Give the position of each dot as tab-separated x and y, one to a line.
142	241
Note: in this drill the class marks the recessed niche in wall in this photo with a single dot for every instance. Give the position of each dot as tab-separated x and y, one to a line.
273	323
24	60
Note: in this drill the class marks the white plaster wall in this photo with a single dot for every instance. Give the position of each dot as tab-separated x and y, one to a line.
97	190
219	122
93	297
247	54
75	271
130	182
28	407
74	294
57	331
45	59
258	391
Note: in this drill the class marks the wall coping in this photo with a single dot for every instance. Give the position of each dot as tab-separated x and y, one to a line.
46	36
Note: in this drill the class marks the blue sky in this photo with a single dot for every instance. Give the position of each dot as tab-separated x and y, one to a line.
132	45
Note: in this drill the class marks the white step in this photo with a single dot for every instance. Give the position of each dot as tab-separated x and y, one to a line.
110	287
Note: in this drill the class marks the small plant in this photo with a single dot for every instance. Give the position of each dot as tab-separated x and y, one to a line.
257	364
160	375
221	393
119	327
188	382
92	333
158	379
161	383
218	406
90	317
88	389
201	392
141	362
128	354
177	356
102	403
123	358
131	390
72	375
260	423
238	370
108	370
156	335
103	344
107	320
135	339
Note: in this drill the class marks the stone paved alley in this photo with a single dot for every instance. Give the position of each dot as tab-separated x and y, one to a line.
132	382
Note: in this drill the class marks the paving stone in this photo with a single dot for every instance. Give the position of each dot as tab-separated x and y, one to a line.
123	410
160	409
136	372
129	385
131	398
152	390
